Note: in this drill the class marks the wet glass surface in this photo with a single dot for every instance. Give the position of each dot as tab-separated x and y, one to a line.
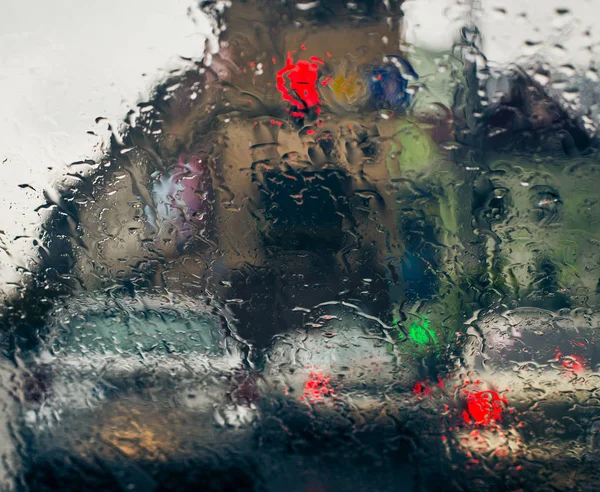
327	257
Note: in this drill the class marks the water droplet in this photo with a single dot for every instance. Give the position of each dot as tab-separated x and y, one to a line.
592	74
541	78
567	70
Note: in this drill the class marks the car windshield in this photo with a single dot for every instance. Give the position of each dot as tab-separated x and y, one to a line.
342	246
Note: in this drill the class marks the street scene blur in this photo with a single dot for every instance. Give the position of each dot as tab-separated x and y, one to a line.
319	246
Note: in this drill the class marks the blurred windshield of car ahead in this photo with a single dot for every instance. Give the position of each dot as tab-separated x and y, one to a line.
338	246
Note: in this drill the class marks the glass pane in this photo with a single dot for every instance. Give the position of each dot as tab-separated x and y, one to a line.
319	245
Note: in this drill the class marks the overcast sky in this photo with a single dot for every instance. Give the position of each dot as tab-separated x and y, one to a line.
65	63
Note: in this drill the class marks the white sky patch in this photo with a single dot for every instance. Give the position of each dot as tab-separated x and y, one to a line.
65	63
559	31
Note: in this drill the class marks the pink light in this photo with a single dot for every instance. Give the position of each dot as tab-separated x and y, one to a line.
317	387
484	407
302	77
